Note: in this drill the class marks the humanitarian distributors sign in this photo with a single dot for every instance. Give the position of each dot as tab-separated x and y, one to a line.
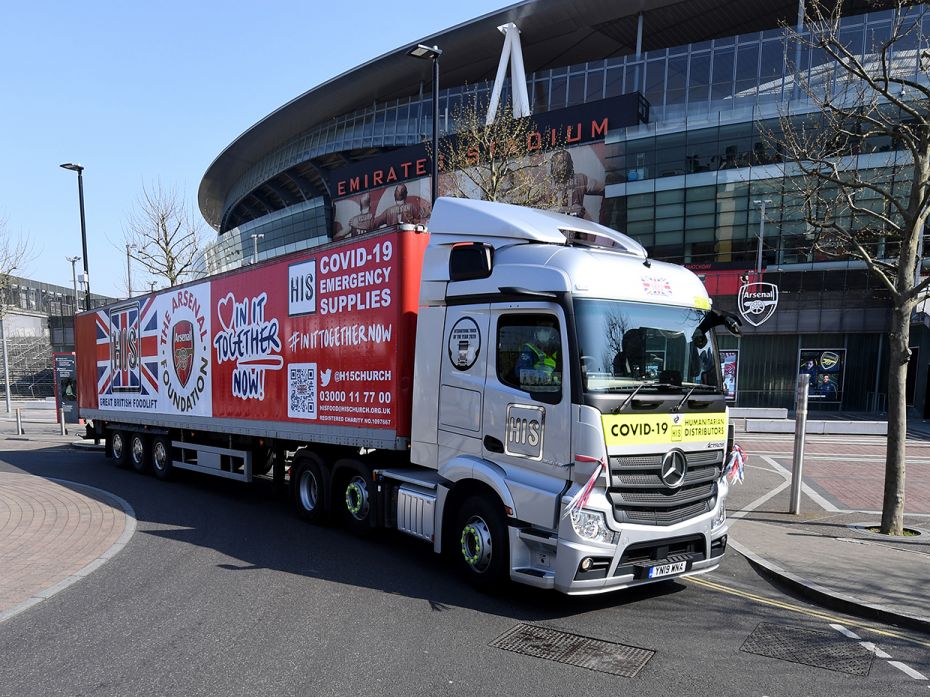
322	338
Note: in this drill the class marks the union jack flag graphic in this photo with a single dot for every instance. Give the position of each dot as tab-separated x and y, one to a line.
127	348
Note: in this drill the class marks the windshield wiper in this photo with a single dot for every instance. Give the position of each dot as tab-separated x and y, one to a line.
684	399
629	399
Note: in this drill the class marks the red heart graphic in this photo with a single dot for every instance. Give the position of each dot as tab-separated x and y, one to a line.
224	311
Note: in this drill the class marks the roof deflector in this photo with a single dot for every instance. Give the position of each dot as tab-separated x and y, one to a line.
500	224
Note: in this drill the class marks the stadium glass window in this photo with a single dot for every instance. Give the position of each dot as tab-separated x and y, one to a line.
699	78
558	93
747	70
722	83
614	84
576	89
594	89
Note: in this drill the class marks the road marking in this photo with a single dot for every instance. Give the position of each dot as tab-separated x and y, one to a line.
842	630
878	457
907	670
813	495
805	611
867	645
746	510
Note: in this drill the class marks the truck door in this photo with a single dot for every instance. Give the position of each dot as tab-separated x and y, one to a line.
461	386
527	408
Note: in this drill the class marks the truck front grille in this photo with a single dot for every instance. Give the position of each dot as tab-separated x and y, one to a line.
639	495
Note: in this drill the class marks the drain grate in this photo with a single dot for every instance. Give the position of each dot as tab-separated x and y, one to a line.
574	650
809	647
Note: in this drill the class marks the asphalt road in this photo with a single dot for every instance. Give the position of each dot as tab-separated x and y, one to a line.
223	592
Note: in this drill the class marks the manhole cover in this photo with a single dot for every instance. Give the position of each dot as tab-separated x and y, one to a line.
809	647
562	647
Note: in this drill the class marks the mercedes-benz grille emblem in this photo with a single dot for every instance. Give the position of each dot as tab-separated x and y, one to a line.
674	469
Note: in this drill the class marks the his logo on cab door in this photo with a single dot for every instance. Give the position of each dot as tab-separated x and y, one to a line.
525	429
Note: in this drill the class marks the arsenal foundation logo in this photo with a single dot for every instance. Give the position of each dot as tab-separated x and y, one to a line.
182	350
757	302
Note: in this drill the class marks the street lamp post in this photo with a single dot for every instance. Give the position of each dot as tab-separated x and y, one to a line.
255	239
80	172
73	261
763	203
432	53
129	268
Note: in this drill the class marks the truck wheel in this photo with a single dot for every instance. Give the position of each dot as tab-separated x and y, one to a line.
481	543
307	487
161	458
353	496
139	452
119	449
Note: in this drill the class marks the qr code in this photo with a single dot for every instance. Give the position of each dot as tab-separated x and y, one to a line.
301	390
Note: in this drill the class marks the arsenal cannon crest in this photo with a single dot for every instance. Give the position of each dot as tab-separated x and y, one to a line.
757	302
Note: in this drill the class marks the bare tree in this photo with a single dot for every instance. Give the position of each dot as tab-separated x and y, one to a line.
875	214
15	253
167	234
501	161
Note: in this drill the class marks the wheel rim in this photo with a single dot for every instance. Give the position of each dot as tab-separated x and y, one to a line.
309	490
138	450
476	544
357	498
159	456
116	446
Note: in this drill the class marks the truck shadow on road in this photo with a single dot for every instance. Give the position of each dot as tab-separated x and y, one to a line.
254	527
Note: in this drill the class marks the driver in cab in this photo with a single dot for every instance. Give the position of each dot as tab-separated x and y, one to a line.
539	363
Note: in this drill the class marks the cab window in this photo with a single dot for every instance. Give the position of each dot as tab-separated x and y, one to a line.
529	355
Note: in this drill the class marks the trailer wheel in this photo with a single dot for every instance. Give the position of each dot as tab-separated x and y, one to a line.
161	458
139	452
481	540
119	449
307	487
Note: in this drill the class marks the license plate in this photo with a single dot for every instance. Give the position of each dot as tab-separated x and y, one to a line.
667	569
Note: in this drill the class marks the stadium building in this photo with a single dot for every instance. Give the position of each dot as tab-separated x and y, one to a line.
662	105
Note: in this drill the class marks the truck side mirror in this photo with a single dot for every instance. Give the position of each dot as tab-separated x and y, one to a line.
715	319
470	261
733	324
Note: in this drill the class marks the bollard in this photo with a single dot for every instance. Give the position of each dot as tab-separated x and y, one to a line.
61	420
19	422
800	428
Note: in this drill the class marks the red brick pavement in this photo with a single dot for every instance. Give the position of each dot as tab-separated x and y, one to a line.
50	533
850	472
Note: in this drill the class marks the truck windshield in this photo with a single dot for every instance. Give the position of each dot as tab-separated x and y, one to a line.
625	345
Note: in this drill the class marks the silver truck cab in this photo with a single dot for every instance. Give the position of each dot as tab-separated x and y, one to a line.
574	385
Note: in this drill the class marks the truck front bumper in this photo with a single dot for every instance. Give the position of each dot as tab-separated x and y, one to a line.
558	562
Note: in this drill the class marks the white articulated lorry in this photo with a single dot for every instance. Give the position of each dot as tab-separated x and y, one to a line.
523	390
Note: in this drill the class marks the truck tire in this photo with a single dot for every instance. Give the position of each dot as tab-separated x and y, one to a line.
480	544
307	488
161	458
119	448
353	496
139	452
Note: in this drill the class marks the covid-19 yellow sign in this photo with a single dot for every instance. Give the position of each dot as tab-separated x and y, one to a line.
657	429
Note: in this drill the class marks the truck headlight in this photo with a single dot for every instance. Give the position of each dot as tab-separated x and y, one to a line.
721	516
592	525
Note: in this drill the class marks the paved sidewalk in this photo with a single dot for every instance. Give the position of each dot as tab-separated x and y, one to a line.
52	534
824	553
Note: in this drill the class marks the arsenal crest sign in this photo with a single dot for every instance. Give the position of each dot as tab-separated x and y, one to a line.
182	349
757	302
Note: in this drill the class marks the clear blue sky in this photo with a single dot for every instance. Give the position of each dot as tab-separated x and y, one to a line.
140	92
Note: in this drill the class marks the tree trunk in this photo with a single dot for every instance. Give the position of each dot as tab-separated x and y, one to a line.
893	504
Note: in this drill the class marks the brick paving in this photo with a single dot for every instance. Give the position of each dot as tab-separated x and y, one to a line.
851	474
50	533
